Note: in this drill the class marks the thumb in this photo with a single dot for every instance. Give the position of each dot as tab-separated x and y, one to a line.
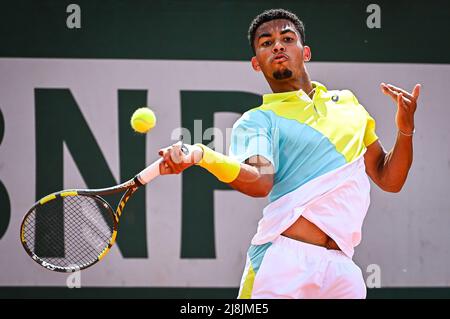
416	91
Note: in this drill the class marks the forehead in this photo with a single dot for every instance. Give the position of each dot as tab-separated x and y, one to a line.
275	26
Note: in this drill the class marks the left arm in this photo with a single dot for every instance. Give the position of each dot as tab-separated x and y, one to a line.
390	170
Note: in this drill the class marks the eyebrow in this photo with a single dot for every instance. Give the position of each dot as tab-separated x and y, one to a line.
267	34
287	30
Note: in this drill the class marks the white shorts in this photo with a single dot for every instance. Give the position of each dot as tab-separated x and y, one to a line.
287	268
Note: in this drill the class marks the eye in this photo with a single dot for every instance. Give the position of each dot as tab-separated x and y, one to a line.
266	43
288	39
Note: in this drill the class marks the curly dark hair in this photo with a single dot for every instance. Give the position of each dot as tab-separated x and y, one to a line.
274	14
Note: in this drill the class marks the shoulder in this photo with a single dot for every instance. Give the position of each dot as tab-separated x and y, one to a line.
254	117
345	98
342	96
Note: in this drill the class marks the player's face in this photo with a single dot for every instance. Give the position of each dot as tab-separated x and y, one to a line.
279	53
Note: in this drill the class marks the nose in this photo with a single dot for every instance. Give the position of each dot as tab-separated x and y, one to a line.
278	47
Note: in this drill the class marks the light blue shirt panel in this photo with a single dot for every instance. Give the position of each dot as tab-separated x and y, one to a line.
298	152
251	135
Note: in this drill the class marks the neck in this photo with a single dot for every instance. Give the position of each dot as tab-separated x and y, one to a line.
303	82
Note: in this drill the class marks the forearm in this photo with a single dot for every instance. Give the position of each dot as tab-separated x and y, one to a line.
255	181
394	167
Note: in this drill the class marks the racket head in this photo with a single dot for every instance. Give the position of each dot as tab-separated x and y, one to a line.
68	231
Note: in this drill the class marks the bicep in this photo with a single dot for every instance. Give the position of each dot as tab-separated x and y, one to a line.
373	159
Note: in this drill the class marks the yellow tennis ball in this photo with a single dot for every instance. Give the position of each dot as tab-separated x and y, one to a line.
143	120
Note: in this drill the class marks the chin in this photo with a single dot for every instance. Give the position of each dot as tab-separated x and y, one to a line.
282	74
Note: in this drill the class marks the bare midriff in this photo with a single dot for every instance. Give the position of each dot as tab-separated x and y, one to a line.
305	231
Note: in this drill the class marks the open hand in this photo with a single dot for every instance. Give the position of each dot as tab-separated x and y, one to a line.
406	105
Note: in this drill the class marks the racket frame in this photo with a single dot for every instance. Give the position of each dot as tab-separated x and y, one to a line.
129	187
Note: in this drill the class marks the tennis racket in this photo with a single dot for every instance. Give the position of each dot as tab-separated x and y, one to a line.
71	230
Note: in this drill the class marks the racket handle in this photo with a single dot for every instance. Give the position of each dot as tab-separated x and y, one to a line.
149	173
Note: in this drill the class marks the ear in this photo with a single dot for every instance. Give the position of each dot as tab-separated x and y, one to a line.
255	64
306	53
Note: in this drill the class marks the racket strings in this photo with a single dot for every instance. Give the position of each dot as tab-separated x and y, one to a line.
92	229
69	231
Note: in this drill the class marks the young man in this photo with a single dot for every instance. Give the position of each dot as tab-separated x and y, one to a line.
311	150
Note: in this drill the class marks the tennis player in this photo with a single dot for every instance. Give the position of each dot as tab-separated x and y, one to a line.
311	150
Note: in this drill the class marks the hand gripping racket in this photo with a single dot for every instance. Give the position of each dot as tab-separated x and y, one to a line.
73	229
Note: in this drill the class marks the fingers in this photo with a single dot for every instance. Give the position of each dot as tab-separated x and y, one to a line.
174	154
399	90
394	93
165	167
385	89
172	160
405	100
401	101
393	89
416	91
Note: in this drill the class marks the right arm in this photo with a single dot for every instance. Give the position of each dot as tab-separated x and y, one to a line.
255	177
249	167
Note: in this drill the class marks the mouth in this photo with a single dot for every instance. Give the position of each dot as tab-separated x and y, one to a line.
279	58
